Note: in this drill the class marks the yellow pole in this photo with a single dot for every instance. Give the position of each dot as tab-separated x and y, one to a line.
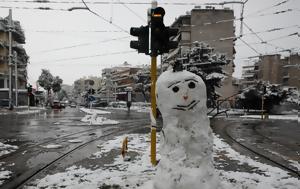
153	108
153	85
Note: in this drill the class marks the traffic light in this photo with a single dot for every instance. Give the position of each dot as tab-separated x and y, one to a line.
160	35
170	32
142	45
29	90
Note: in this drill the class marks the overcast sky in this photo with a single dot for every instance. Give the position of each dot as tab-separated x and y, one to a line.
73	44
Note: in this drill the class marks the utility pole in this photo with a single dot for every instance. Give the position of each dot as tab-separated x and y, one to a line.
16	76
10	27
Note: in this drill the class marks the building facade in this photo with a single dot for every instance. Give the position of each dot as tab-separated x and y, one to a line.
275	69
249	76
20	58
117	79
214	27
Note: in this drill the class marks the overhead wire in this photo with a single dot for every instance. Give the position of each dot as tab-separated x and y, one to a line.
107	2
106	20
34	8
74	31
273	30
80	45
123	3
132	11
273	39
98	15
84	57
249	46
269	53
268	8
262	41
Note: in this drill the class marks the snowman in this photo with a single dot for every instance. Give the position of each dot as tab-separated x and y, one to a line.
186	147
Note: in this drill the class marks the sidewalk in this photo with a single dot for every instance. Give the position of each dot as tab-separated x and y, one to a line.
20	110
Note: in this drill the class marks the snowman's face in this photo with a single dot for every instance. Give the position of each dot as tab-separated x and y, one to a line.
180	92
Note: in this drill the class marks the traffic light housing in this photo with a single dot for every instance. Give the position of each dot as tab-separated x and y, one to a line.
160	35
142	45
29	90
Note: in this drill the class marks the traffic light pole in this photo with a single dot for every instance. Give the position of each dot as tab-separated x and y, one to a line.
153	108
10	59
16	77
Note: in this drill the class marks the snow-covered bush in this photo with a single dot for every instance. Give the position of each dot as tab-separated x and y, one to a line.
252	97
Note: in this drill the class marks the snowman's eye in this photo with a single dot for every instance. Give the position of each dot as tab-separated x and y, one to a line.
192	85
175	89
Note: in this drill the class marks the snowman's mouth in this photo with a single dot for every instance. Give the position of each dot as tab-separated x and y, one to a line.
190	106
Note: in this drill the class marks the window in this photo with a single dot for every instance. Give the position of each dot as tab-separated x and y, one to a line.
1	83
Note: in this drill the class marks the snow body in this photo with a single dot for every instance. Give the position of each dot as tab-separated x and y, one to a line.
187	146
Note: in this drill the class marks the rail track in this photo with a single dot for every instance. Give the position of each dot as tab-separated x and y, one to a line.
74	134
253	150
21	179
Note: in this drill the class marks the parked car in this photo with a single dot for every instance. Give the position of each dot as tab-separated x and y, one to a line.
73	105
63	104
99	103
56	105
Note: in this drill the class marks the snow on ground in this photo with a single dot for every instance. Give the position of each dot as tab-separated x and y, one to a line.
52	146
4	174
281	117
135	106
6	148
127	174
94	111
295	164
22	110
25	112
75	141
97	120
138	172
269	177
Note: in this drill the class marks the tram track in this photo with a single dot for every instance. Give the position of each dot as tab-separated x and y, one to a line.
252	149
79	133
19	181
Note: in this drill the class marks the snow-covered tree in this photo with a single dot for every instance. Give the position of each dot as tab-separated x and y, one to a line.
48	82
45	80
252	98
143	82
203	61
56	84
292	95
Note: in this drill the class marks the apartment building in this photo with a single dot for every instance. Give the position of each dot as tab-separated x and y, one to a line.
117	79
274	69
214	27
18	38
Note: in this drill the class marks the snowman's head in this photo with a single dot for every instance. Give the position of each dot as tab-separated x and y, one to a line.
180	92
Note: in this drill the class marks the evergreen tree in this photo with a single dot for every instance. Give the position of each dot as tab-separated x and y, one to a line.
252	98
